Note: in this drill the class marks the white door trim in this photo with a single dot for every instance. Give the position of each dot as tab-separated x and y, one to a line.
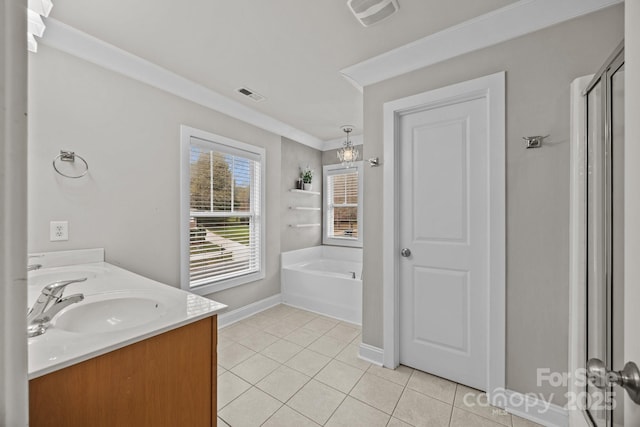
491	88
631	196
14	386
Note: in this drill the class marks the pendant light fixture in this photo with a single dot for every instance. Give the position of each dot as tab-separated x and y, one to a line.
348	154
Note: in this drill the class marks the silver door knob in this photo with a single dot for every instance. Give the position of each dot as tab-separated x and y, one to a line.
628	378
405	252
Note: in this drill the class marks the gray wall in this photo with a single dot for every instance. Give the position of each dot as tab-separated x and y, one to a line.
294	156
129	134
539	68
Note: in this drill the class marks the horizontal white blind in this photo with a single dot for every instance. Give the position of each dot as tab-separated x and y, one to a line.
342	203
225	214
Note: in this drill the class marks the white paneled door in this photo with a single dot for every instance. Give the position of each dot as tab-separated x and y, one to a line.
444	208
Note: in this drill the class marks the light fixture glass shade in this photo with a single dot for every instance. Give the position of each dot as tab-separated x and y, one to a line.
41	7
348	154
35	25
32	44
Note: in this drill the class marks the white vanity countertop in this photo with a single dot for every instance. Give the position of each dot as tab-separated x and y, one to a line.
63	345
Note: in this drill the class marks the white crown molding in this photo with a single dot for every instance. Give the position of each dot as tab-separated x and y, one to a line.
332	144
84	46
515	20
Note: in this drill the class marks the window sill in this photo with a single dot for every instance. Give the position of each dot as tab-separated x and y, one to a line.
351	243
207	289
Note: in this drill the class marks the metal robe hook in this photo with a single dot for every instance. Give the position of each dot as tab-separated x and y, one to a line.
534	141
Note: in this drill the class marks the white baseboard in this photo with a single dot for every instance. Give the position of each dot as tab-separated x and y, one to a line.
371	354
341	312
321	313
533	409
238	314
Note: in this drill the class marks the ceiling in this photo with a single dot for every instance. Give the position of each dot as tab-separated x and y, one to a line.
290	51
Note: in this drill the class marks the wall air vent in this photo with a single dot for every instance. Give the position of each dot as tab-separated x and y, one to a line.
251	94
369	12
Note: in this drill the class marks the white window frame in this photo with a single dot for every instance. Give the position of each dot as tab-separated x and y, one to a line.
330	170
234	147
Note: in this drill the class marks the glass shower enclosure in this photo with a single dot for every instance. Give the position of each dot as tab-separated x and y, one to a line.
605	240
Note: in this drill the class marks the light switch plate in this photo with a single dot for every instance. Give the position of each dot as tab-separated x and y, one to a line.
58	231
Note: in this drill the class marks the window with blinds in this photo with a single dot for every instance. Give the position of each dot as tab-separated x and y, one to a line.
342	205
224	214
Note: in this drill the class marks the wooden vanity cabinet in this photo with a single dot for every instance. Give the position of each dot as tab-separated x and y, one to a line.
166	380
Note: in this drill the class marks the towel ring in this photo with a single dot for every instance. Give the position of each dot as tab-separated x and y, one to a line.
70	156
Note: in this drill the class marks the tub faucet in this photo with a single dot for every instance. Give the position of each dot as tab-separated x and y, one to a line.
49	303
32	267
353	274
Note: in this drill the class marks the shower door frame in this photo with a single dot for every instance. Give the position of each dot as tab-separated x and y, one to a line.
603	78
577	243
580	87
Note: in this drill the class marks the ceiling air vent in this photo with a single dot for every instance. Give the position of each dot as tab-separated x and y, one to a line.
369	12
251	94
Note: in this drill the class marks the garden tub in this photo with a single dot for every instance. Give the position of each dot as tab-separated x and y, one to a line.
325	280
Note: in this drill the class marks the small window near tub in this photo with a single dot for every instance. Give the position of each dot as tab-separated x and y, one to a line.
222	209
343	205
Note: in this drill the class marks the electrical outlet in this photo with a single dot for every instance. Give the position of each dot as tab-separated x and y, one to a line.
58	231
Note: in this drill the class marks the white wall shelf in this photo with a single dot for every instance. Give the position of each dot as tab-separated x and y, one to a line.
303	208
316	193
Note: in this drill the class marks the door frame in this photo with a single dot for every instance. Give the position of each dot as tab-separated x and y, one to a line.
632	195
14	386
492	89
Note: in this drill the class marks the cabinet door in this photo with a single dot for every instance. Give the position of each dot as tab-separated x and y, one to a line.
166	380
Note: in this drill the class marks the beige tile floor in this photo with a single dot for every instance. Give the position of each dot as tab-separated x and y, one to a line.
287	367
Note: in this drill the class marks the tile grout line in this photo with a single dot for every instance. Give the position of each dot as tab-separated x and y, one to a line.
433	397
299	413
465	409
282	364
348	343
455	391
324	366
337	407
275	317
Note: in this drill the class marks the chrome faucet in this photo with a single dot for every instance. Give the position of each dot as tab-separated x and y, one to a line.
49	303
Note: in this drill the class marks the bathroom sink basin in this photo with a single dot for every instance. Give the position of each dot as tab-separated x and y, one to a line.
110	312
